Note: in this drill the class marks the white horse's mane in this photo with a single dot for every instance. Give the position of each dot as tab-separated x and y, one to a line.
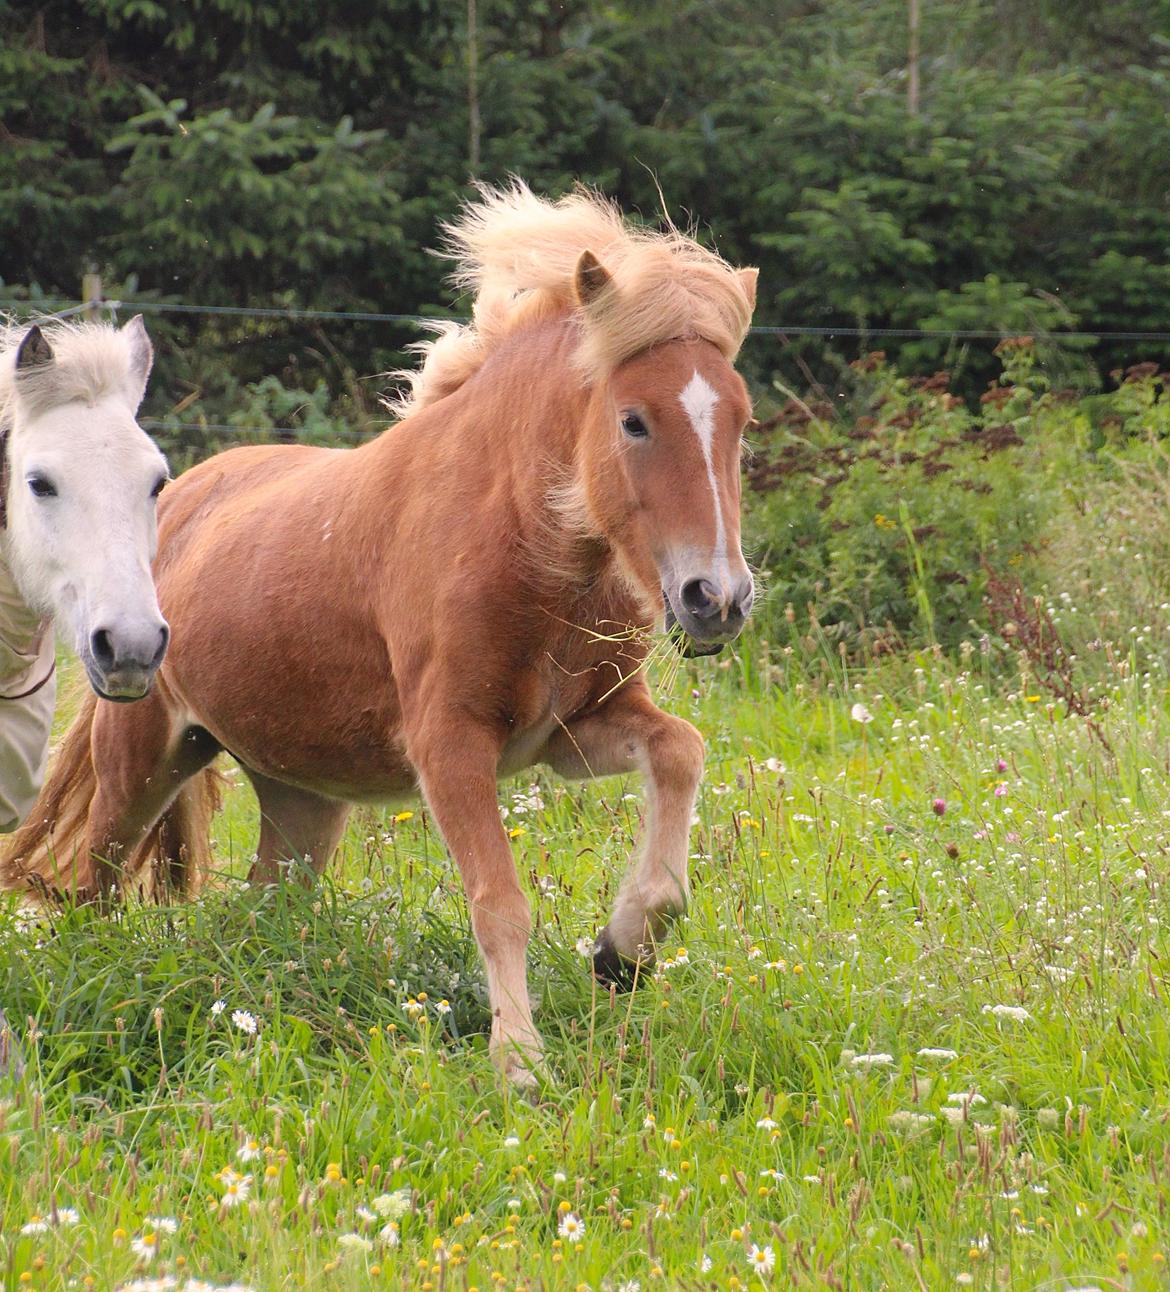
90	362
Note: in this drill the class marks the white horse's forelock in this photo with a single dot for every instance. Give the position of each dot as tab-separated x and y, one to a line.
91	361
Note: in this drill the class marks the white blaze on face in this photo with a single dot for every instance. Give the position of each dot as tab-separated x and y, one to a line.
698	399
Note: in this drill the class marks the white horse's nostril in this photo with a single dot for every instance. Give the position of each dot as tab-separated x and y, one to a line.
101	647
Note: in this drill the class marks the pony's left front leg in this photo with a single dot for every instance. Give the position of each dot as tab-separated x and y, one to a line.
457	773
630	733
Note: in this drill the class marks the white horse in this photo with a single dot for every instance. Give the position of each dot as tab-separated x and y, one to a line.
78	483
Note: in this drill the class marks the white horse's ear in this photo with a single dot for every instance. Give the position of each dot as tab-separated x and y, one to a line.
141	357
747	280
590	279
34	351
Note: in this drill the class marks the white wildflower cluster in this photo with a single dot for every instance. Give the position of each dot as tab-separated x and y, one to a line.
169	1283
61	1218
526	801
871	1060
907	1122
243	1019
354	1244
236	1187
392	1206
1017	1013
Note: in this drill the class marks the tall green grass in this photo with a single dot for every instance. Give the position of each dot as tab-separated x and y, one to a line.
912	1032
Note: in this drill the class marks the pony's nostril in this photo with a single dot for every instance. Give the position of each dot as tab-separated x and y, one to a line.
700	598
101	647
164	637
741	603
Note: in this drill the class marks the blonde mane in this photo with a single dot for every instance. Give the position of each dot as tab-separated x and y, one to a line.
517	254
90	361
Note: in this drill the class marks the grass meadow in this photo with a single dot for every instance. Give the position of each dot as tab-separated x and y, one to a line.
911	1034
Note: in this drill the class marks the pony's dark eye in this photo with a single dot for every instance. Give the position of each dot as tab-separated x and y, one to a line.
42	487
634	427
158	488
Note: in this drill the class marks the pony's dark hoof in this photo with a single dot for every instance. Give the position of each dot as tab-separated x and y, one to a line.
610	966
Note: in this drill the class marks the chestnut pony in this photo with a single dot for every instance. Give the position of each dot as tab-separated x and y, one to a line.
465	596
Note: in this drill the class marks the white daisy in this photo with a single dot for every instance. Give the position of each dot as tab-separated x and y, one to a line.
248	1151
571	1228
763	1259
236	1189
145	1247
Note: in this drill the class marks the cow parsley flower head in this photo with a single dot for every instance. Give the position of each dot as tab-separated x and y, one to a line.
1017	1013
392	1206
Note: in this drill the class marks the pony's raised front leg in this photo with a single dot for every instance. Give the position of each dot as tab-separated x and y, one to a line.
295	826
630	733
457	774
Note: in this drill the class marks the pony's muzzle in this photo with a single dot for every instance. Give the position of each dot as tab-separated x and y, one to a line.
711	611
122	661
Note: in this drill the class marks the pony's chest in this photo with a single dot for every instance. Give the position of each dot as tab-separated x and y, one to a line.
552	697
524	746
539	707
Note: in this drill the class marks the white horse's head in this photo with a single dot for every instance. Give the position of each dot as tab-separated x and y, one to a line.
82	482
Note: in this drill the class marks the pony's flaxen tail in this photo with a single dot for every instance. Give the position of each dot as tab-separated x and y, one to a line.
48	855
45	854
178	848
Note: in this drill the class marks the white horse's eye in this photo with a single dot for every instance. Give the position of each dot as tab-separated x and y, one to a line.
158	488
42	487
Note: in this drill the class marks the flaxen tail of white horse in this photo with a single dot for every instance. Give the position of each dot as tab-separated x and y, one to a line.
47	855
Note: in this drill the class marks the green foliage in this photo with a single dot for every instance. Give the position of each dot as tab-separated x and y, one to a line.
261	201
253	153
882	520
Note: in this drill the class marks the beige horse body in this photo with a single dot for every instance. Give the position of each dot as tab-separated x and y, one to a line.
463	597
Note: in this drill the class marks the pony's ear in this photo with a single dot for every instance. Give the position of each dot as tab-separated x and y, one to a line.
141	357
590	279
34	351
747	280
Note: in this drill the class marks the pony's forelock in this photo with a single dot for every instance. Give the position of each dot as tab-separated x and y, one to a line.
517	253
90	362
